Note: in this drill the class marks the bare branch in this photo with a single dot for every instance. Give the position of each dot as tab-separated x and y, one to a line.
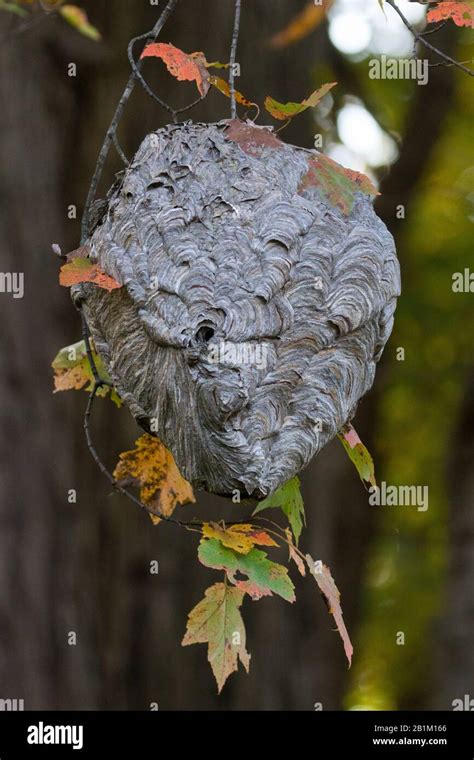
421	39
233	54
104	151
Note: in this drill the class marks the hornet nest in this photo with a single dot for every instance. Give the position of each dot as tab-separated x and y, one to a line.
253	311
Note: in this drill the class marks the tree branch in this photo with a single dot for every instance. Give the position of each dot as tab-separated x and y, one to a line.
233	54
104	151
421	39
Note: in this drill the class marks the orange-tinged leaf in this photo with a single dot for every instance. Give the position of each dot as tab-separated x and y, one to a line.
253	590
301	25
337	184
152	467
462	13
285	111
84	270
241	538
71	379
217	622
322	576
223	86
185	67
78	18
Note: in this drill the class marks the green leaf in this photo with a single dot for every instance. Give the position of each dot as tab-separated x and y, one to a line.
337	184
288	498
264	576
217	622
77	18
284	111
358	454
5	5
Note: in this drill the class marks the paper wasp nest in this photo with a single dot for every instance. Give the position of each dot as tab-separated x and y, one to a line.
252	312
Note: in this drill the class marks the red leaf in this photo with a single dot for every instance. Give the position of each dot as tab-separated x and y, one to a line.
322	576
185	67
251	139
462	13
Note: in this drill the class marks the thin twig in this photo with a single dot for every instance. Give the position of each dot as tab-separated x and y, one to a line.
120	150
419	38
233	54
136	69
104	151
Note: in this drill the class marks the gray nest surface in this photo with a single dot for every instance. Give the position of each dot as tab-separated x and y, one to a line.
252	312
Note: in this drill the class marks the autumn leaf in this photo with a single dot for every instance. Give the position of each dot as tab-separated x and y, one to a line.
285	111
358	454
152	467
224	87
322	576
294	554
462	13
72	371
288	498
302	24
264	576
185	67
78	18
217	622
80	268
337	184
251	138
240	538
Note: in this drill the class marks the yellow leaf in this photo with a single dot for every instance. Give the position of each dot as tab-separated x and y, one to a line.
152	467
223	86
240	538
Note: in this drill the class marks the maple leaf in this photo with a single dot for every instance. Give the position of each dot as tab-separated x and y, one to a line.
337	184
240	538
288	498
152	467
72	371
264	576
224	87
217	622
358	454
78	18
285	111
189	67
322	576
80	268
302	24
252	139
462	13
